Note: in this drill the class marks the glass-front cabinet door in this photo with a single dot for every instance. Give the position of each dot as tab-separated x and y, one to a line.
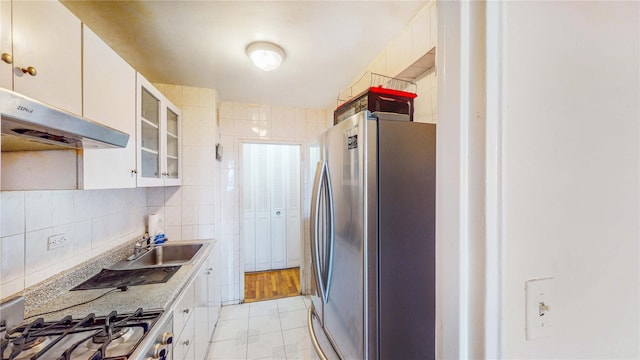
149	135
172	155
158	136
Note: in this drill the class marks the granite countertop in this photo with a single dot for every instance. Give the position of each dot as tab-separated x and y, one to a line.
153	296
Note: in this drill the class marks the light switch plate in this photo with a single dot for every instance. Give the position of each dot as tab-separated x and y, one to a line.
540	307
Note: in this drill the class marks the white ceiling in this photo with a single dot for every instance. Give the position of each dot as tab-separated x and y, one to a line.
202	43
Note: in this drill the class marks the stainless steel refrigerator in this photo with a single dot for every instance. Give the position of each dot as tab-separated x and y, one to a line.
373	239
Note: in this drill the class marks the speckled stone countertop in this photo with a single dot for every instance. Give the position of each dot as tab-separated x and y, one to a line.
154	296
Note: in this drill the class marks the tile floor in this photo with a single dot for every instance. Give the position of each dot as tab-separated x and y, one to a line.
274	329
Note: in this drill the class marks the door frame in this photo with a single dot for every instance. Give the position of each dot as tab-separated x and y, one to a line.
469	208
303	158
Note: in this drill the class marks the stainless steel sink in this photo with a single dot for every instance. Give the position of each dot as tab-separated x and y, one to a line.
164	255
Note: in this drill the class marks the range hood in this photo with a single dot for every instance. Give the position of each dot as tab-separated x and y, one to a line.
29	124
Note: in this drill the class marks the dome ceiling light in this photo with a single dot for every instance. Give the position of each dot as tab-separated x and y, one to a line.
265	55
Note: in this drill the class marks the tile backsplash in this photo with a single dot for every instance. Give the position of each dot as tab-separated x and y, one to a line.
92	221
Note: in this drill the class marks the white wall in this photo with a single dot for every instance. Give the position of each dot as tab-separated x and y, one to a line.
571	175
94	221
259	122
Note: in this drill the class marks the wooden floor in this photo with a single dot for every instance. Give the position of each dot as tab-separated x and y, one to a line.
274	284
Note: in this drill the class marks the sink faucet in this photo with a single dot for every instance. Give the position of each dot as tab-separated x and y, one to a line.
137	250
147	240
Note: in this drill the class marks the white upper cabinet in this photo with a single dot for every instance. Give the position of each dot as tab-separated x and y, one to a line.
109	97
46	40
158	137
6	63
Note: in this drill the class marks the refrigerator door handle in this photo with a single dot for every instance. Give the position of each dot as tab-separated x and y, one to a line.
312	332
315	218
330	232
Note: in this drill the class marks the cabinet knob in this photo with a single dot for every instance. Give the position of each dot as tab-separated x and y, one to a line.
186	342
134	171
7	58
30	70
186	311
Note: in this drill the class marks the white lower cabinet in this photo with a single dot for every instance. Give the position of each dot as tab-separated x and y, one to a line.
183	324
208	302
202	311
215	291
196	313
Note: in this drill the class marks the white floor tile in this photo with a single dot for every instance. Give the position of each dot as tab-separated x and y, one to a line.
295	353
291	304
235	312
264	324
228	350
263	308
231	329
266	346
293	319
298	338
275	329
307	300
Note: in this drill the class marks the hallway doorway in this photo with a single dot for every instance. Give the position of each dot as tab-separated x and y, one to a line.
270	217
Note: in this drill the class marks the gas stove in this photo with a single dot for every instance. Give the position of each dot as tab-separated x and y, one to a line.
111	337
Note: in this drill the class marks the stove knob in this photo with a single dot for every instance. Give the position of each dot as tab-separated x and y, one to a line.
159	351
167	338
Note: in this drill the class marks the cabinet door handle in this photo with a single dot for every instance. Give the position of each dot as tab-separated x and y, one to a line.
30	70
186	343
186	311
7	58
134	171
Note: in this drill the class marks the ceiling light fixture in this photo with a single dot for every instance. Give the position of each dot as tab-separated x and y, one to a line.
265	55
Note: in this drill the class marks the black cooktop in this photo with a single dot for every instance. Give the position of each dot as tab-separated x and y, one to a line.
108	278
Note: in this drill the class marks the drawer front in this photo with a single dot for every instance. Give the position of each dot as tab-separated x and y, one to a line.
184	346
183	310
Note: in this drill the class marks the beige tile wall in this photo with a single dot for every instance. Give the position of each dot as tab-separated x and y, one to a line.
415	40
189	211
425	105
93	221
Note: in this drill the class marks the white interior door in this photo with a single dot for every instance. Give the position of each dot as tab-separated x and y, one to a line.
294	238
271	206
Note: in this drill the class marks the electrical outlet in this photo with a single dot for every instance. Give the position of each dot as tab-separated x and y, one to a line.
540	307
57	241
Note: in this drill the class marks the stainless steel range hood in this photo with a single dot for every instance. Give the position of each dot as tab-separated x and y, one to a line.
28	124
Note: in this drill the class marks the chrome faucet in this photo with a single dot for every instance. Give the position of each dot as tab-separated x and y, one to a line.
138	248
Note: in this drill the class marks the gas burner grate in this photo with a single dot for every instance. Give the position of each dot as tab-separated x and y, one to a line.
35	339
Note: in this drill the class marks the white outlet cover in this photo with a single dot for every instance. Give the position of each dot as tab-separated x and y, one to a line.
56	241
540	292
